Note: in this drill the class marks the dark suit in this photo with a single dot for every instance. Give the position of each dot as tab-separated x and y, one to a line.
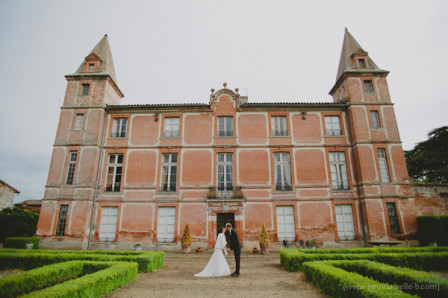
235	245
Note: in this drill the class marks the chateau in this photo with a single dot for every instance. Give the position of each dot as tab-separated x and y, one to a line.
126	174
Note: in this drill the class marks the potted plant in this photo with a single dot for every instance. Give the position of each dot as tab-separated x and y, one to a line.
186	240
198	249
264	240
137	247
255	251
311	244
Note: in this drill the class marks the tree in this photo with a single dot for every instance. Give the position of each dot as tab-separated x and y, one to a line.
15	222
428	161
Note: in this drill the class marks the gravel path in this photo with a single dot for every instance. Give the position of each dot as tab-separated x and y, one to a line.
261	276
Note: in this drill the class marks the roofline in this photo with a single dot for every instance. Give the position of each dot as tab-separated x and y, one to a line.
14	189
98	75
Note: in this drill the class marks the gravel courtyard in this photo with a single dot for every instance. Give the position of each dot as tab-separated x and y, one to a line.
261	276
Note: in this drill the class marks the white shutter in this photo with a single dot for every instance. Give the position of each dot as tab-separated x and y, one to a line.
165	228
108	226
344	219
285	223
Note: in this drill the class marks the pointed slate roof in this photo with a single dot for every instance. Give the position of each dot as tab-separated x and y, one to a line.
106	65
347	62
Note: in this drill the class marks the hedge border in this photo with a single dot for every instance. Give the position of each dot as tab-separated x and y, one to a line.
293	261
337	282
93	285
148	261
405	277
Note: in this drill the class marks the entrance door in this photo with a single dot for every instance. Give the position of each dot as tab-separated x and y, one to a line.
285	223
222	219
108	225
165	227
344	219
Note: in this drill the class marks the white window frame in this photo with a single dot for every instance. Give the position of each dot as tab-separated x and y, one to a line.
382	160
279	126
169	172
338	170
79	121
114	172
71	167
224	174
333	126
282	171
119	127
225	126
166	224
285	228
108	224
375	117
171	129
346	228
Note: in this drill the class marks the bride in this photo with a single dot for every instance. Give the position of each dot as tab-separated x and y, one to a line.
217	266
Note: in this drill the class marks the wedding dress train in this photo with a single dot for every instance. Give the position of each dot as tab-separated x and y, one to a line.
217	266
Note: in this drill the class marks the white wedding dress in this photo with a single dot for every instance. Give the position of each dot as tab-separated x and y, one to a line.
217	266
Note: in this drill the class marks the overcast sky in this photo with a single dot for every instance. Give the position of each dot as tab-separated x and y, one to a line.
176	51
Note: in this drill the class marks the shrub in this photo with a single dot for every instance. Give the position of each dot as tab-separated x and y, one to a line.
60	280
147	261
293	260
337	282
15	222
433	228
264	237
186	238
411	281
20	242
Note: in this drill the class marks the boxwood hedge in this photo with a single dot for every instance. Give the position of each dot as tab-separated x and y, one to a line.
20	242
432	228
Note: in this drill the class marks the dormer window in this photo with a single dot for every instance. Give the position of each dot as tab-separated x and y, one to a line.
362	63
91	67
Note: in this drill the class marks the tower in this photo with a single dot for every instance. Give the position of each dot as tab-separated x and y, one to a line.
383	185
73	174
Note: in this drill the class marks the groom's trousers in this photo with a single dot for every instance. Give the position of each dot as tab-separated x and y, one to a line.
237	253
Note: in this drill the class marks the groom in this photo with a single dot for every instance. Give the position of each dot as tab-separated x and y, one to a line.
235	245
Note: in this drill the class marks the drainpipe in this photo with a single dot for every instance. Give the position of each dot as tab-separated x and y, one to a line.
98	175
355	170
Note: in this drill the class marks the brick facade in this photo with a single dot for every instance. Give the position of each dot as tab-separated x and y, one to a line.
140	173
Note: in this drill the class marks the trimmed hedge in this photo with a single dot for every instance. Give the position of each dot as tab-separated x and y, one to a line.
369	250
293	260
92	285
432	228
337	282
20	242
147	261
61	279
411	281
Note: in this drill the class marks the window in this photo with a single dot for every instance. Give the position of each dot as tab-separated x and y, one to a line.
91	67
282	171
169	172
383	165
79	121
279	126
340	95
60	231
108	225
286	228
338	171
165	224
171	127
225	171
368	86
375	119
85	89
393	218
119	129
344	220
362	63
114	172
333	126
71	167
225	126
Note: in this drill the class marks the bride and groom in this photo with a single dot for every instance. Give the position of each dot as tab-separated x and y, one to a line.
217	266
